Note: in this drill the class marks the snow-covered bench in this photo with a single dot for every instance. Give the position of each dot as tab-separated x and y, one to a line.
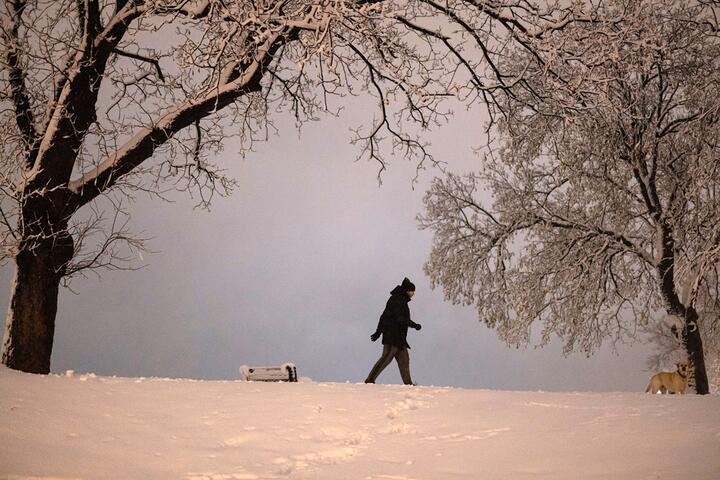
286	372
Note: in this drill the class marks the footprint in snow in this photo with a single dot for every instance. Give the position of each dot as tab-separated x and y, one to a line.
410	403
389	477
459	437
397	428
334	456
235	441
343	437
221	476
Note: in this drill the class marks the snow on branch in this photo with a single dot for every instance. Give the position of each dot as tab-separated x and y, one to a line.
596	204
105	98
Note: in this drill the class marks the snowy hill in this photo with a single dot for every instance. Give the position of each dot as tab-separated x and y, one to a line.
91	427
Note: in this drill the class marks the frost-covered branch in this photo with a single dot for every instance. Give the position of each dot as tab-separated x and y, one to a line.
103	99
598	203
19	94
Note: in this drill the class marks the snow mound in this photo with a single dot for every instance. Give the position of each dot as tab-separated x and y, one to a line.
85	427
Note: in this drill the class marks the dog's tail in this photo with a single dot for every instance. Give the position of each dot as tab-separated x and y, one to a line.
647	390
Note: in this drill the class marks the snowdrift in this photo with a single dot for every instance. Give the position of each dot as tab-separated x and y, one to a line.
88	427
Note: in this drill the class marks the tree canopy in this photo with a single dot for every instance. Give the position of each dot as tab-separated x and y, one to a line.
597	205
105	99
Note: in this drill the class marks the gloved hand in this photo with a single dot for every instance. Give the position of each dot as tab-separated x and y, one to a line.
418	326
375	336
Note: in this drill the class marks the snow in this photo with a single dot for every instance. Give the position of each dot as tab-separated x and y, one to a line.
82	426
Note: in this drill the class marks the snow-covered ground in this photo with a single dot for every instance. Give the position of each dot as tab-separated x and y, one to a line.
82	426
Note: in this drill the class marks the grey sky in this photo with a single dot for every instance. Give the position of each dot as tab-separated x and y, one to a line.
296	266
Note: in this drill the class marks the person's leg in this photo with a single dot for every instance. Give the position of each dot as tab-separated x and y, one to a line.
387	355
403	360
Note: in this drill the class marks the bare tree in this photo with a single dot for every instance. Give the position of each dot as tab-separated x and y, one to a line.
598	204
103	100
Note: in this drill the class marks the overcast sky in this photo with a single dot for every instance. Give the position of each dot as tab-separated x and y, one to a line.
296	266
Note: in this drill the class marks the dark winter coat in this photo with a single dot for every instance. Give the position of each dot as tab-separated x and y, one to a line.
395	319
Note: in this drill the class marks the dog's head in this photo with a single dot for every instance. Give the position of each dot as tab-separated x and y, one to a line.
682	368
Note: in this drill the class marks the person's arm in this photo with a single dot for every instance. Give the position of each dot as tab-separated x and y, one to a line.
402	316
380	328
406	321
381	322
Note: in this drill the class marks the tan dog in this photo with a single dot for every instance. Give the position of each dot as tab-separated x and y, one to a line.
670	382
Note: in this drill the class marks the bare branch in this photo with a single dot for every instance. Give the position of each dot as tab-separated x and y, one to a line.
142	58
142	145
17	77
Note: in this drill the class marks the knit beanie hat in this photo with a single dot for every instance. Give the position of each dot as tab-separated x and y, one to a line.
407	285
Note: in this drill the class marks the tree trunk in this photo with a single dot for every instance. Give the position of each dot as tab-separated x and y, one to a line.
674	306
694	348
30	321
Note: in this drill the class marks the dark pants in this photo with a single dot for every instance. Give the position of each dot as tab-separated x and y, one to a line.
389	352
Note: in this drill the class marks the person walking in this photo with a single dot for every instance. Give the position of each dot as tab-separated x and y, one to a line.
393	326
